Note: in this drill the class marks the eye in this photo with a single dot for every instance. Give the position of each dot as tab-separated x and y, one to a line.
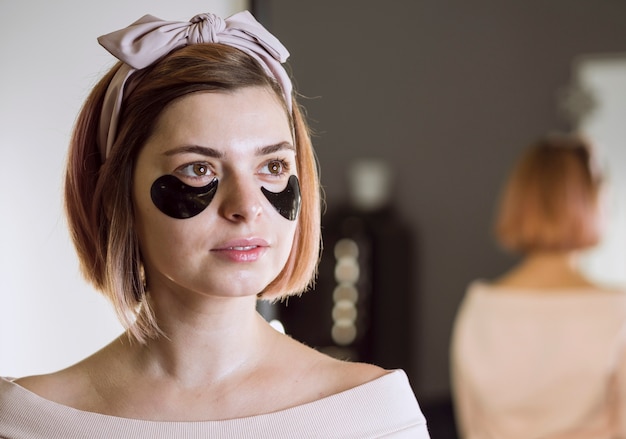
199	168
196	170
275	167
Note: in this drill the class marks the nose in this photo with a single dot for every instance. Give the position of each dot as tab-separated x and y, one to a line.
240	199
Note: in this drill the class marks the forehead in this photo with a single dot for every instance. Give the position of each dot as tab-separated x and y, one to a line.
251	116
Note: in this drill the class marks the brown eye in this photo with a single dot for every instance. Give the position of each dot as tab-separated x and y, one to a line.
199	169
275	167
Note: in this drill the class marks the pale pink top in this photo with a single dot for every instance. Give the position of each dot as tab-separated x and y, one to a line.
385	407
534	364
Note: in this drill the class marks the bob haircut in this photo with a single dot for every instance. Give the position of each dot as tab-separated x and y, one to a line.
550	202
98	200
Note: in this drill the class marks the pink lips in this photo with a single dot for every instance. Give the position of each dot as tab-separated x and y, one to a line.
242	250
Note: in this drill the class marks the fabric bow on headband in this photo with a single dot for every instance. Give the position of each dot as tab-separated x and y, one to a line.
150	38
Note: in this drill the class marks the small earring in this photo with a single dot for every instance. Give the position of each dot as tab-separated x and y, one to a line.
141	285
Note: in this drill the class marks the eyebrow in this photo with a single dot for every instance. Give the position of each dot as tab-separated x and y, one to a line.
195	149
211	152
270	149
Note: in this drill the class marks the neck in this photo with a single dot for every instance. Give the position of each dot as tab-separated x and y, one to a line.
551	270
207	339
566	261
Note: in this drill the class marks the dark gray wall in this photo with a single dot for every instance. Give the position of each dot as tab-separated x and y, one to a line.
448	92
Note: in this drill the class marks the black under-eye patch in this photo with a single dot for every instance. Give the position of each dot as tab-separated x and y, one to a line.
179	200
286	202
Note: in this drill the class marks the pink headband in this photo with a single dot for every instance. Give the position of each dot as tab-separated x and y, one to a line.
150	38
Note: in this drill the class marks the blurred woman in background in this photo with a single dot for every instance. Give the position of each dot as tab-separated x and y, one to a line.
539	352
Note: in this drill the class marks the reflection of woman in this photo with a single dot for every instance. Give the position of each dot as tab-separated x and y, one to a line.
191	191
539	353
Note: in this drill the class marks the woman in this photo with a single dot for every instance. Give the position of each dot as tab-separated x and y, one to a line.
539	352
192	191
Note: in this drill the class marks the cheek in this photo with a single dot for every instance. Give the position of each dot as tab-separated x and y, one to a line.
287	235
163	241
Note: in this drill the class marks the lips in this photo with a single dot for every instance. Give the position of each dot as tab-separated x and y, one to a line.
242	244
242	250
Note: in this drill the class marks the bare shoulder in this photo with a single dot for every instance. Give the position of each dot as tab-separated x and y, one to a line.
353	374
331	375
70	386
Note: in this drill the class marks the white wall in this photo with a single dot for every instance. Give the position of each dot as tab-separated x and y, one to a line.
604	79
49	317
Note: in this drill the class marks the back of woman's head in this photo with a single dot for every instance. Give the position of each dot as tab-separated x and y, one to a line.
98	192
550	201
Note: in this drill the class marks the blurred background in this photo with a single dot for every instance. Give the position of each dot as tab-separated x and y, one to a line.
446	95
419	109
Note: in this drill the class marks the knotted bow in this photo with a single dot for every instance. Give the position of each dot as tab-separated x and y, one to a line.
150	38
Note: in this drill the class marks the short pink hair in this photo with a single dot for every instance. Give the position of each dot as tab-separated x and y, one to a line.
550	201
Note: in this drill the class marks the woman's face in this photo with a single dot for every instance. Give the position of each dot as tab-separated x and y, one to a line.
239	243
